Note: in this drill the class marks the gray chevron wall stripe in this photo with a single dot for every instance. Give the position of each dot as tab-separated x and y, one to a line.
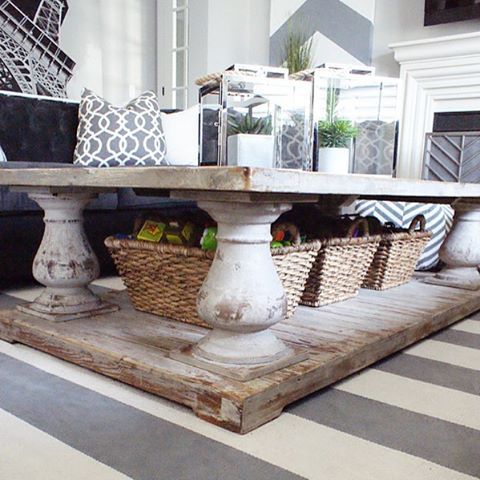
439	219
343	25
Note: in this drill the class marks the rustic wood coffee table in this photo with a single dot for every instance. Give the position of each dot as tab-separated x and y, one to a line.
252	363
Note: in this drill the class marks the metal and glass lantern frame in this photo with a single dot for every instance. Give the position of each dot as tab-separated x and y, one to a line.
368	101
261	101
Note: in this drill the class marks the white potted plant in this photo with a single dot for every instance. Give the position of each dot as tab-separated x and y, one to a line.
334	137
250	141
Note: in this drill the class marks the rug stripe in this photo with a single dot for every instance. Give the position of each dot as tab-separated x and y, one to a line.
475	317
452	446
7	302
336	455
458	337
131	441
113	283
444	352
28	453
301	446
431	371
28	294
469	326
420	397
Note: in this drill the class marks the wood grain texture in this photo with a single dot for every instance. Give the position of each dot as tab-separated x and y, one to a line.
340	338
236	179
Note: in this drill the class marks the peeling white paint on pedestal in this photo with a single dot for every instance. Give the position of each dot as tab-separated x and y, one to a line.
242	296
461	249
65	263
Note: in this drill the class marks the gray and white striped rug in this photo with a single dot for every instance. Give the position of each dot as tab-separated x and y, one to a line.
414	416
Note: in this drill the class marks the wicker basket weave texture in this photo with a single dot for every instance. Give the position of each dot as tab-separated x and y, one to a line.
340	267
396	257
165	279
338	273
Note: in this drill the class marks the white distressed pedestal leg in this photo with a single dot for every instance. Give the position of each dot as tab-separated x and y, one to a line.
65	263
242	296
461	249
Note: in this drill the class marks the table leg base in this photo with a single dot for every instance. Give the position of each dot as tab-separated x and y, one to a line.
464	278
243	373
100	309
363	336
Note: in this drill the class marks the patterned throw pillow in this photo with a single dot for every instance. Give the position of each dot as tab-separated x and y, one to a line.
110	136
439	220
3	157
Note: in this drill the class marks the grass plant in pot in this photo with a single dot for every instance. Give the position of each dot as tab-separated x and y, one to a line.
335	137
297	54
250	141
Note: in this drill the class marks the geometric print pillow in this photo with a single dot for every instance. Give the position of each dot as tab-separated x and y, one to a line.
3	157
110	136
439	220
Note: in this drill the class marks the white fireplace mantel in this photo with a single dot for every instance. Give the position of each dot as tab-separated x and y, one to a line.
437	75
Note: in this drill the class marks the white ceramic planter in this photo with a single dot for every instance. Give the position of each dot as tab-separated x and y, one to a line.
248	150
333	160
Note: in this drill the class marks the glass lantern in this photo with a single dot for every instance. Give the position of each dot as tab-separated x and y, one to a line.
256	118
363	107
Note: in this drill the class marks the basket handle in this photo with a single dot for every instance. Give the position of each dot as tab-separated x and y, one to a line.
360	223
418	220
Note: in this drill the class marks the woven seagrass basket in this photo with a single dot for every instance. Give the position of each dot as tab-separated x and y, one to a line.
397	255
165	279
340	266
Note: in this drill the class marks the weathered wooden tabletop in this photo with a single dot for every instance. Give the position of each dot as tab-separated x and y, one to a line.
237	179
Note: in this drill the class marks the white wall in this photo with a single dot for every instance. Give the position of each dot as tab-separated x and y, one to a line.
113	43
224	32
402	20
198	45
238	32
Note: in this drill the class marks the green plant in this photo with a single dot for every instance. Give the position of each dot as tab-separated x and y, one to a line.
250	125
336	133
297	51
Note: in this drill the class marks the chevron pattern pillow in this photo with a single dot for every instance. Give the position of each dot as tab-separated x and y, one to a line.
110	136
439	219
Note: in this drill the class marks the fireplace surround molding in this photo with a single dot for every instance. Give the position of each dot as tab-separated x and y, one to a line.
436	75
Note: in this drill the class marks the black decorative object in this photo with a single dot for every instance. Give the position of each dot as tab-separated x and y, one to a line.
456	122
447	11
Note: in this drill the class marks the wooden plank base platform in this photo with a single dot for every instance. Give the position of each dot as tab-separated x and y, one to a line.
342	338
